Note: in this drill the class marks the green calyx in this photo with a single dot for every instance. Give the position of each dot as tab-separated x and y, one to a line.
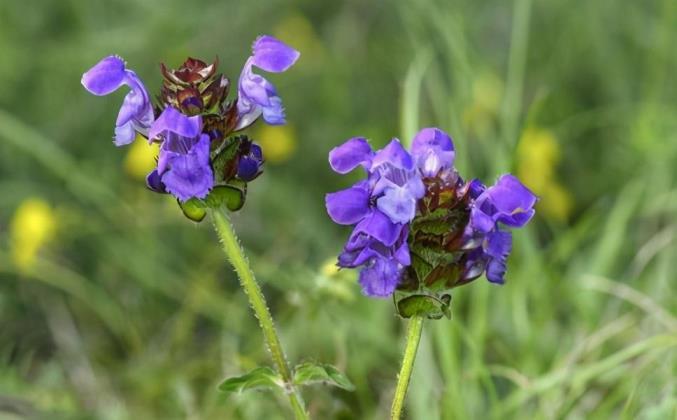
228	196
438	262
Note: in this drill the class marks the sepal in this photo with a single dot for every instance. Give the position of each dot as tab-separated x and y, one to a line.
428	305
231	197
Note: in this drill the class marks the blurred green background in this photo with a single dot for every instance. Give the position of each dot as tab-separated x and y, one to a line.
114	306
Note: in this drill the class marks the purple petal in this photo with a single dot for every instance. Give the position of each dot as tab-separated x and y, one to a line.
154	182
398	204
395	155
433	150
352	259
513	201
498	244
257	96
248	168
475	188
402	254
256	152
496	269
380	227
350	155
481	221
273	113
358	241
173	121
136	104
124	134
105	77
348	206
189	175
381	278
273	55
431	138
136	112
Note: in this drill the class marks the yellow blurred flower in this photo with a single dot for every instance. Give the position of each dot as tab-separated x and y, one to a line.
277	141
329	268
140	159
336	283
556	202
31	227
297	31
538	154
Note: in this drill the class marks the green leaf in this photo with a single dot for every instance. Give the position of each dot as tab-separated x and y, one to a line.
259	378
421	267
430	306
223	158
311	373
225	195
193	209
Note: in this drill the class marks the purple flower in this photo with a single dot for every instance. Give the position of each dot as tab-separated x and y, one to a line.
198	121
183	165
433	151
256	95
380	207
380	277
136	113
507	202
249	165
415	208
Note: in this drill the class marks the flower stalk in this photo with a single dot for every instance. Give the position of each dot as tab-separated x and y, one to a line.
235	253
414	330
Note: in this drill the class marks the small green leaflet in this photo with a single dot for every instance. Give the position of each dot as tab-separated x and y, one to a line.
311	373
259	378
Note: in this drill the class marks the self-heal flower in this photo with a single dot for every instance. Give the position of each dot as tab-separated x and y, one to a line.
420	229
256	95
204	160
251	160
433	151
136	113
509	203
380	207
183	165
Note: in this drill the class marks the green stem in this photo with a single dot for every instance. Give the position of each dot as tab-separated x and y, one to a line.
413	338
235	253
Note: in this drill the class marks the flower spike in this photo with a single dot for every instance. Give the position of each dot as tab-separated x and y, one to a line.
419	229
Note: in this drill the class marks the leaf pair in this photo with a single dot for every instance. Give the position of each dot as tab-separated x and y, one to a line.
304	374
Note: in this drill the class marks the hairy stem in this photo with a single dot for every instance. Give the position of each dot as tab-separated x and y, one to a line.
413	338
235	253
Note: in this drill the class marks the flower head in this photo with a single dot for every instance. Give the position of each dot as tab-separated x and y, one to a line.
183	165
251	161
201	158
380	207
419	228
256	95
136	113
